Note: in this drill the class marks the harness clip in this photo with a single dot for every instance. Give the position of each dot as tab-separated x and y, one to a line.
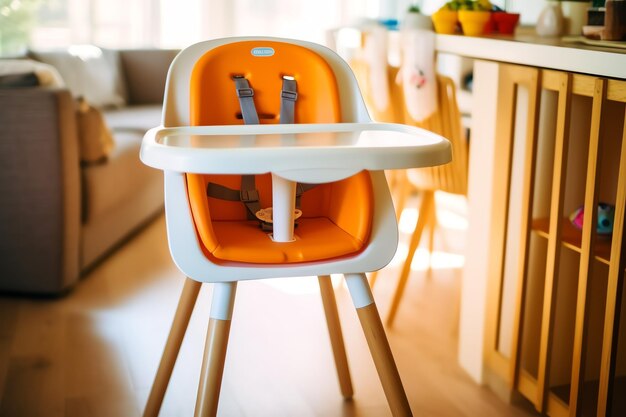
289	95
245	92
249	196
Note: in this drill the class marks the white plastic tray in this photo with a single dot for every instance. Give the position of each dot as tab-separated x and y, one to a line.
291	150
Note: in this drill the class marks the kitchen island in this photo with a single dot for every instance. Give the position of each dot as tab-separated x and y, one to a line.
541	300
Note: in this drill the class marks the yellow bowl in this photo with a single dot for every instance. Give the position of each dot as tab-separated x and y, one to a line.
445	21
473	22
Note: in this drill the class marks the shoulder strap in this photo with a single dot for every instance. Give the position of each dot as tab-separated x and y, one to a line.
246	100
288	97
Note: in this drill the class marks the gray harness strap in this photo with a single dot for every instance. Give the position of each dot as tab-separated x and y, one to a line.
223	193
249	196
288	97
245	95
248	193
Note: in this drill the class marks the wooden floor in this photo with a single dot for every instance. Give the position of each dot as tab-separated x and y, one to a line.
94	352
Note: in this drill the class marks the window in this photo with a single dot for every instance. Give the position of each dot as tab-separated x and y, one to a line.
109	23
178	23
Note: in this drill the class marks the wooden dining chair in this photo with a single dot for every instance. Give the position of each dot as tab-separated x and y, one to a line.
450	178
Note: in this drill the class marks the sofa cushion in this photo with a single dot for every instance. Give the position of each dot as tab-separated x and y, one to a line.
90	72
108	186
145	71
136	119
19	70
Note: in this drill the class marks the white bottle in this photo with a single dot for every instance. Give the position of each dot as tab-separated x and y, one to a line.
550	21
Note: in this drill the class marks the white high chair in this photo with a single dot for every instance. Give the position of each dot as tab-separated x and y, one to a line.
347	225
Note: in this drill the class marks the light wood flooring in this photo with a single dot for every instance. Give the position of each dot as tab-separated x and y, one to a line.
94	352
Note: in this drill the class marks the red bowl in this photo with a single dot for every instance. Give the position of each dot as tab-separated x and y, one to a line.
505	22
490	26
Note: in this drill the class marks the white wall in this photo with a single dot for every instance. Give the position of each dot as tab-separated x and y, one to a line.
529	9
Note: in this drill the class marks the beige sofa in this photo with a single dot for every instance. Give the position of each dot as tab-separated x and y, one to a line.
59	217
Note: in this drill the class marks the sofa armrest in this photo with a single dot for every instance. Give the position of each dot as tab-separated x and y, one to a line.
40	188
145	71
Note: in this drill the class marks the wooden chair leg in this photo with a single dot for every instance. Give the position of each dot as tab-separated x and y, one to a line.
378	344
432	227
185	307
215	349
401	191
336	337
425	207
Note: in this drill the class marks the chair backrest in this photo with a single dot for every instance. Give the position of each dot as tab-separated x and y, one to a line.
394	112
446	121
177	105
214	98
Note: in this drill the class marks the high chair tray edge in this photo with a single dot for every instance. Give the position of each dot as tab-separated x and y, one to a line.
293	149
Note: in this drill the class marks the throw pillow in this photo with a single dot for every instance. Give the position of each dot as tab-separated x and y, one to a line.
96	141
47	75
89	72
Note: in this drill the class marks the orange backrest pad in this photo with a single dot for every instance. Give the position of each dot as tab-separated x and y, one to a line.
213	101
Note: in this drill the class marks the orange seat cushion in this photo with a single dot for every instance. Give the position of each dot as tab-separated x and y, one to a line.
316	239
336	219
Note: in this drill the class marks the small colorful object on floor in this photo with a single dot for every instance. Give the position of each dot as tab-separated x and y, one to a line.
606	214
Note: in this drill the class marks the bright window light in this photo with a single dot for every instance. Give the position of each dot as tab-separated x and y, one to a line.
85	52
423	259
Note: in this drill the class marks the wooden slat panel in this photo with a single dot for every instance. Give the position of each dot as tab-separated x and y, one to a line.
554	237
614	290
527	385
531	81
587	247
555	407
500	207
551	80
509	77
616	91
498	364
583	85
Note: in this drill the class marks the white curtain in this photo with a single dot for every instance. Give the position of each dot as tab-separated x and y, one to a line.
108	23
178	23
